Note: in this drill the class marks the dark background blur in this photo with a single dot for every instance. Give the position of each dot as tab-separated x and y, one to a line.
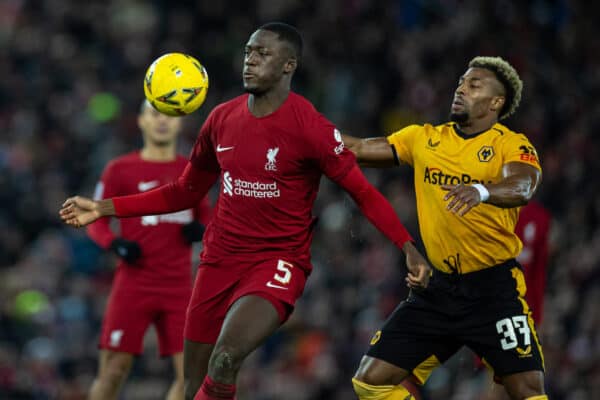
70	84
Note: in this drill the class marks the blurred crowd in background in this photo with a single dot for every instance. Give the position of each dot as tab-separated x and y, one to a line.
71	77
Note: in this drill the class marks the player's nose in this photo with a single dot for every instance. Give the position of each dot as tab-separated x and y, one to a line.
250	58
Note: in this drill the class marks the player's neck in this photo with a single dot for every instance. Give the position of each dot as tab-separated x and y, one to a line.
158	153
475	127
268	102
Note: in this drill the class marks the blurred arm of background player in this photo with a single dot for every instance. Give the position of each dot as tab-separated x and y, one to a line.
100	231
533	228
129	250
194	230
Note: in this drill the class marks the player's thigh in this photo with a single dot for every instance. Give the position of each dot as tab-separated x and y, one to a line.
170	321
524	384
211	298
128	315
415	339
280	281
250	320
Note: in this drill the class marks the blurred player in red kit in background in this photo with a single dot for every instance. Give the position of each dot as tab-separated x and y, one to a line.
533	228
270	148
152	283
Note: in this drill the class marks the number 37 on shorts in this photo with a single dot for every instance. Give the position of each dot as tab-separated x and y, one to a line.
513	331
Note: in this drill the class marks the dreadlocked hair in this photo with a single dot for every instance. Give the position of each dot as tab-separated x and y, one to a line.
508	77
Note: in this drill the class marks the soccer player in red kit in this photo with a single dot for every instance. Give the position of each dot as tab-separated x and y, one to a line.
152	283
270	148
533	228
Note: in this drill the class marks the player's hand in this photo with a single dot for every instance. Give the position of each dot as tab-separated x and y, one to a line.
128	250
419	270
193	231
462	198
79	211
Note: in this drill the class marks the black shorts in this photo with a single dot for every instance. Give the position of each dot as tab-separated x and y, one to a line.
482	310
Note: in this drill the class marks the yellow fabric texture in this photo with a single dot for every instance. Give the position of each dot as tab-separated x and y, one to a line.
442	155
424	369
384	392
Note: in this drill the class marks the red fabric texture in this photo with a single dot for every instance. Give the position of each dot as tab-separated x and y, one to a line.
185	192
533	228
211	390
270	168
218	286
130	312
164	264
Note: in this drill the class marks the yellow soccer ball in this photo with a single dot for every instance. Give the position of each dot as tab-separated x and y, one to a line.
176	84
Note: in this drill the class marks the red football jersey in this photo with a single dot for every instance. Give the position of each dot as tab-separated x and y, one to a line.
270	169
533	228
166	257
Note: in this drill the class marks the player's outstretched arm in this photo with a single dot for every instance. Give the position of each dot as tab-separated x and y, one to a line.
80	211
371	152
518	185
381	214
179	195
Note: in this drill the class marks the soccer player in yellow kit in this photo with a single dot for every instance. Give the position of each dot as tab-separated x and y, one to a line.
471	176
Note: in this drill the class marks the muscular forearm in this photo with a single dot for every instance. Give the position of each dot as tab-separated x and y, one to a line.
351	142
371	152
519	183
514	191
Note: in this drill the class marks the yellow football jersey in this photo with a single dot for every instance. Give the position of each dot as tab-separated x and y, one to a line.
442	155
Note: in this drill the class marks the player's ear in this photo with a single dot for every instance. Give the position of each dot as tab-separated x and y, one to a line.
290	65
140	122
497	103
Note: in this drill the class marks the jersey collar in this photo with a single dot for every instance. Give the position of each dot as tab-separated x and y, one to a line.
464	135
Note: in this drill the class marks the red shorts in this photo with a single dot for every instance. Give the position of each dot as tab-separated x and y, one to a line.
217	287
130	312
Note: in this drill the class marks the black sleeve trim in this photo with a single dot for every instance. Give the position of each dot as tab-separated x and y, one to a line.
396	159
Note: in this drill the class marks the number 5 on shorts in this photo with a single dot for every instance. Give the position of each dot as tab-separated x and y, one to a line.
284	267
507	327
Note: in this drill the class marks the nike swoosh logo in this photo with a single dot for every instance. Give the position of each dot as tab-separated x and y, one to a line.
432	144
143	186
271	284
220	149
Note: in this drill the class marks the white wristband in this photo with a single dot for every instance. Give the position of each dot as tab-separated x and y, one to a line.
484	194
